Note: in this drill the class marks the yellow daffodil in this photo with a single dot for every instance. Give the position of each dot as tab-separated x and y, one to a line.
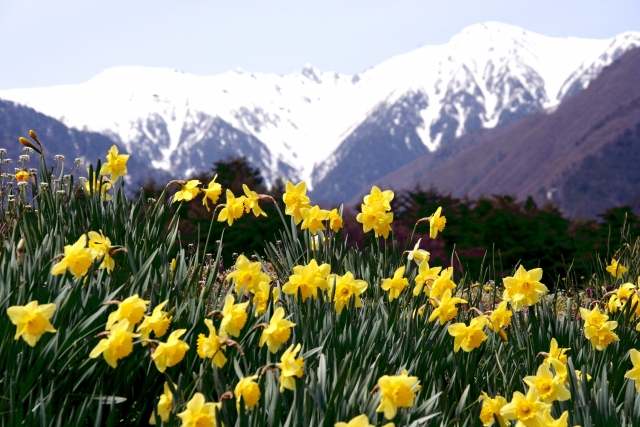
359	421
426	276
616	269
101	247
436	223
234	317
490	411
251	202
312	218
305	282
634	373
442	283
602	336
278	332
397	391
188	191
132	309
31	320
468	337
117	345
22	176
116	164
369	216
556	353
308	279
527	409
418	255
77	258
247	275
290	367
446	309
261	297
621	296
232	210
199	413
501	316
158	322
211	347
382	227
212	192
378	197
376	218
165	405
548	421
550	387
345	287
524	288
102	189
170	353
594	317
295	198
396	284
249	391
335	220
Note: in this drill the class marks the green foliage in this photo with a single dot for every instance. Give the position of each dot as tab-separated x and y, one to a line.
55	383
250	234
512	232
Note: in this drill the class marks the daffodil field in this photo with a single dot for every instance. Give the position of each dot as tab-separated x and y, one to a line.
108	320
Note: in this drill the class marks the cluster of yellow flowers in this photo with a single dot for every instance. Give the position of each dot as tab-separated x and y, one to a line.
375	212
521	290
78	257
534	408
297	205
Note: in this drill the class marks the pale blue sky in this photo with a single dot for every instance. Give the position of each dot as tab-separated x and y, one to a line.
47	42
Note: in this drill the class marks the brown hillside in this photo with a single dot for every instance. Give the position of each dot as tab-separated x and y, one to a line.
537	154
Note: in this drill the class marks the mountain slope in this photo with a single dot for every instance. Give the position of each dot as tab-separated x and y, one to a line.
549	155
58	139
310	124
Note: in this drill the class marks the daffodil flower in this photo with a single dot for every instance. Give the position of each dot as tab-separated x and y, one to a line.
211	347
212	192
234	316
232	210
101	247
116	164
312	219
290	367
77	258
32	321
295	198
248	391
396	391
278	332
396	284
199	413
187	192
170	353
251	202
418	255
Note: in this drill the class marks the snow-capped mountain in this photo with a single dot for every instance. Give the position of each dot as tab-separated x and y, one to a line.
338	132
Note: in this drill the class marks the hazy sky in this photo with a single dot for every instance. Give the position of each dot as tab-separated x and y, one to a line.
48	42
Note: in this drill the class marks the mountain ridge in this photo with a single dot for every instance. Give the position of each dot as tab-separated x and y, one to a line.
301	125
500	160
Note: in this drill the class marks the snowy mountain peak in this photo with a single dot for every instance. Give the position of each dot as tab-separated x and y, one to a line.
306	124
